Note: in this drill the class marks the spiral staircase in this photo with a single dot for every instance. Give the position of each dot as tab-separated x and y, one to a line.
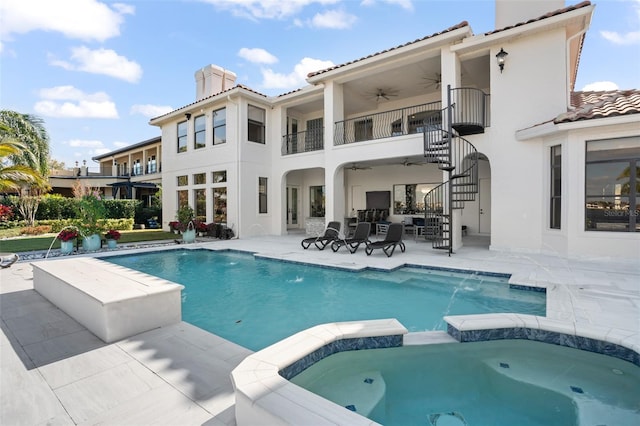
444	145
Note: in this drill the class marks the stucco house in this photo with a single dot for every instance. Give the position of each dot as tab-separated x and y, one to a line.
454	134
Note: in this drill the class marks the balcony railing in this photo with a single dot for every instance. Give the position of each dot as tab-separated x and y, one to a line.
307	141
397	122
470	110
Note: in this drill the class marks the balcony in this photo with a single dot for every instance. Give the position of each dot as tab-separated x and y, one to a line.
307	141
381	125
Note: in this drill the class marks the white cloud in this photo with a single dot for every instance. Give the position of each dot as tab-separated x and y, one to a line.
257	56
632	37
149	110
297	78
628	38
599	86
77	19
266	9
121	144
100	151
333	19
69	102
405	4
101	61
79	143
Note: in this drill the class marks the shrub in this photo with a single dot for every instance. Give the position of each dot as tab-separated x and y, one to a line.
121	209
55	206
35	230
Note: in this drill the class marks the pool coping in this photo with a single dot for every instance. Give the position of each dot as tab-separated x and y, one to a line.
265	396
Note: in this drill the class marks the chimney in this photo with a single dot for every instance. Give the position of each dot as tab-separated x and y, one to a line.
211	80
510	12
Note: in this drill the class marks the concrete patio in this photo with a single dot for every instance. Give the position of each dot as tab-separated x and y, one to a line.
54	371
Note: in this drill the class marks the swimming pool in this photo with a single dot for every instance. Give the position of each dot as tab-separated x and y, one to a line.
500	383
256	302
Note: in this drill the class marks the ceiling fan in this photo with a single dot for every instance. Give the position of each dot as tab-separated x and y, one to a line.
434	81
407	163
383	94
355	167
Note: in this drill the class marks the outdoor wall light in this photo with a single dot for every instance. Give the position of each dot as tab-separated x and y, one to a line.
188	115
501	56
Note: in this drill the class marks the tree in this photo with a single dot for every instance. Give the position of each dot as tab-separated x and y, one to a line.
14	176
29	130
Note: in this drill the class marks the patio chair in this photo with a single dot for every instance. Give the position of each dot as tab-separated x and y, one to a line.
360	236
330	235
8	259
392	239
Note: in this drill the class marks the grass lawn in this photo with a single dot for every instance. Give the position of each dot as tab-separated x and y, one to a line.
42	242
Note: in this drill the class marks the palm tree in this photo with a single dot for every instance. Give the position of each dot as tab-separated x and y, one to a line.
29	130
14	176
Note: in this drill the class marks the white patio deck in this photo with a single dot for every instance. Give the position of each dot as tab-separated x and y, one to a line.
54	371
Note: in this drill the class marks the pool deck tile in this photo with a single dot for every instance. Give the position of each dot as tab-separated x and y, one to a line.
54	371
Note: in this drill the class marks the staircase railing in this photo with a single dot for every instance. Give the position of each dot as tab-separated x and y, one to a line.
459	158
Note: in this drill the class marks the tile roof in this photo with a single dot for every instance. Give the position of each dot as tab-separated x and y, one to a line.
455	27
545	16
605	104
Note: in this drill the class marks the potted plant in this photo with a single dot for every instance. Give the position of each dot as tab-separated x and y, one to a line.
112	236
91	209
185	216
67	236
174	226
201	228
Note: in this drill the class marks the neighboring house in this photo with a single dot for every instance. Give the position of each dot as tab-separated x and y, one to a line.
132	172
509	152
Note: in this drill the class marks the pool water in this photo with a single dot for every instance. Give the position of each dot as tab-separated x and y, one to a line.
256	302
498	383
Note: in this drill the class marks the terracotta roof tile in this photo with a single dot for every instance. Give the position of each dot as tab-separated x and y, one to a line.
545	16
592	105
455	27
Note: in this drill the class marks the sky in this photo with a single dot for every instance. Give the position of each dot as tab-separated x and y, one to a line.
97	71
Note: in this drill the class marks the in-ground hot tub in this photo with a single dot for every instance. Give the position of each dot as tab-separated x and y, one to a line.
597	388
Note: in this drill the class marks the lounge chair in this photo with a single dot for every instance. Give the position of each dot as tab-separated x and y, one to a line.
330	235
392	239
360	236
8	259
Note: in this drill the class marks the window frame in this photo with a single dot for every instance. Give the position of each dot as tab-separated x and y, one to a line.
555	187
256	129
217	126
200	132
263	200
181	140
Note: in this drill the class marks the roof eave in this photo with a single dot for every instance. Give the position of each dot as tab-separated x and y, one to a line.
551	129
482	41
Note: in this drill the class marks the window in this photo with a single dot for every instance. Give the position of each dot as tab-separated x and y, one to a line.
220	205
556	187
183	180
255	126
151	164
182	137
199	132
200	197
183	198
262	195
364	130
137	168
199	178
612	185
409	199
220	177
220	126
316	200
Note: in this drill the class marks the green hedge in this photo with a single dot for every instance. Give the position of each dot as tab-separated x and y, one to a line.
53	206
58	224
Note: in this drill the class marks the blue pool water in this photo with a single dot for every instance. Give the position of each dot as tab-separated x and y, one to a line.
498	383
256	302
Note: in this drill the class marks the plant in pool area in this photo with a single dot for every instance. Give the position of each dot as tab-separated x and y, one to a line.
185	215
68	234
201	227
112	234
90	210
